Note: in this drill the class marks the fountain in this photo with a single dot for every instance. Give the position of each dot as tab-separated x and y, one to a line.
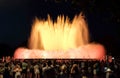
61	39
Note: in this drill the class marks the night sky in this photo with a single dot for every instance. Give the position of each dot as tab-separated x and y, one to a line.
16	17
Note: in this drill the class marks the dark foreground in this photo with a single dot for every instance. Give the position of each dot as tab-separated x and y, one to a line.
58	68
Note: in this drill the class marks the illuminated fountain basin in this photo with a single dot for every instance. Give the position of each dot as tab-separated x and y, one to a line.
63	39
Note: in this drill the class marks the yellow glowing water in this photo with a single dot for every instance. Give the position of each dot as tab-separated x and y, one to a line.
60	35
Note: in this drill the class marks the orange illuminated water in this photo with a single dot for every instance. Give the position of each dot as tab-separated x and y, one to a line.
60	39
61	35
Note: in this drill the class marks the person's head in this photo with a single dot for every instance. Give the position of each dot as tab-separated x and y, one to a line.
63	68
49	63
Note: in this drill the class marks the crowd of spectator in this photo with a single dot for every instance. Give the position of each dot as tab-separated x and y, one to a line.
58	68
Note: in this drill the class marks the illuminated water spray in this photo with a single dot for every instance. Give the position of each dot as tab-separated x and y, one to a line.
61	39
61	35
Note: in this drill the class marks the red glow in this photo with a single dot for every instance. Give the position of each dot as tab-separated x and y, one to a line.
90	51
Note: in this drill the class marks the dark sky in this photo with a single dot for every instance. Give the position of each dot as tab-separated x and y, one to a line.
13	21
16	17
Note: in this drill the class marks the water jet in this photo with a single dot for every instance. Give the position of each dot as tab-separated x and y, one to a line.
63	39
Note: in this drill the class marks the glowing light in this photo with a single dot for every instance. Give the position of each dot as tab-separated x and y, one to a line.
59	36
89	51
61	39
